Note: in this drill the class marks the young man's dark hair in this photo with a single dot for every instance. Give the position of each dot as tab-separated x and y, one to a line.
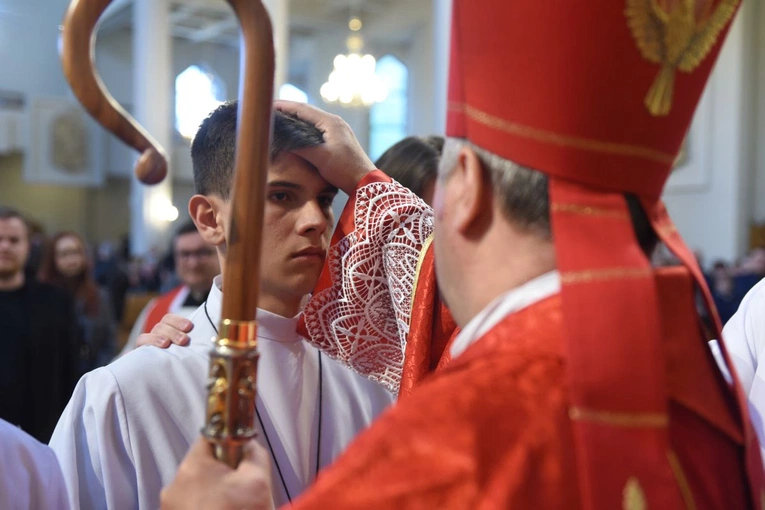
213	148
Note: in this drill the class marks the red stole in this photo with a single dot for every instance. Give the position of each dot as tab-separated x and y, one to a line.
160	308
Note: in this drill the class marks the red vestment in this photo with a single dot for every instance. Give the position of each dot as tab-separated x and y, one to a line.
492	430
161	307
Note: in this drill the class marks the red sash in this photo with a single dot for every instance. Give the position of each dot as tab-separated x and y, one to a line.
160	307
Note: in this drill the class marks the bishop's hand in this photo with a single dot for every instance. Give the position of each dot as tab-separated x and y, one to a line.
202	482
340	159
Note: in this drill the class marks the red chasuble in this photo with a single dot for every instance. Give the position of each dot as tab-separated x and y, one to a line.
492	430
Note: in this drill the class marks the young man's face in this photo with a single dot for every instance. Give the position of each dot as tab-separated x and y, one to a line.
14	247
297	228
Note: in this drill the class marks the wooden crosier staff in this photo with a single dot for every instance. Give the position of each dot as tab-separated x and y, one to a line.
230	419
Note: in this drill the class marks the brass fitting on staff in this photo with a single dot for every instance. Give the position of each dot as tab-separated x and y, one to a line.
231	390
238	334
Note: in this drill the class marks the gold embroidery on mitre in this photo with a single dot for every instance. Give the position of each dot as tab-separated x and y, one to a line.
633	497
674	40
559	140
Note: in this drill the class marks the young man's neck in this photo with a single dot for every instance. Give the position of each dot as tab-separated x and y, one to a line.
284	307
280	306
12	282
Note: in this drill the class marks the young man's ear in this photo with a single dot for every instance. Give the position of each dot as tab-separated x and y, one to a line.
470	198
206	213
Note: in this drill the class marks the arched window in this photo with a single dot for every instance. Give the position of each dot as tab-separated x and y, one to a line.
197	93
388	121
290	92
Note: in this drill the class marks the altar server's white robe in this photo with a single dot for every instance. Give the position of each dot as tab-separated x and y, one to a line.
129	424
744	336
30	477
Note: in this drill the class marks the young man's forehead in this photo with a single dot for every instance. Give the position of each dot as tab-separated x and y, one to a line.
290	170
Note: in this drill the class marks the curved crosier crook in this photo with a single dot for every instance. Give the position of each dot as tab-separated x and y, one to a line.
76	46
230	417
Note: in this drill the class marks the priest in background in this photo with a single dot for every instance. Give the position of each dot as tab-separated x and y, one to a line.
580	377
196	265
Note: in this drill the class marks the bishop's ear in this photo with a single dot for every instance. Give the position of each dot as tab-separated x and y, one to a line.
209	215
468	191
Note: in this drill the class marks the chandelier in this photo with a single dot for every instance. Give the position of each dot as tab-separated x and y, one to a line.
353	81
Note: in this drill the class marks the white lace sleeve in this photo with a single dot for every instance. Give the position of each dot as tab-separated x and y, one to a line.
362	318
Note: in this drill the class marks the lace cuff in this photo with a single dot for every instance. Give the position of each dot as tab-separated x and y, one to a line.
360	313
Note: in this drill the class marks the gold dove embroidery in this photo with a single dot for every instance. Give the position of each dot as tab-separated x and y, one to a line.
674	39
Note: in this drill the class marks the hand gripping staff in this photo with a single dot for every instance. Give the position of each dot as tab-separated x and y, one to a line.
232	378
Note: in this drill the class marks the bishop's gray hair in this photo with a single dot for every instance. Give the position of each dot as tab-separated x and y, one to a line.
521	192
523	195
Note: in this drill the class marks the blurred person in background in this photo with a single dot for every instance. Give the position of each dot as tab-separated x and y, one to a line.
413	162
38	243
196	265
749	271
111	274
38	344
67	266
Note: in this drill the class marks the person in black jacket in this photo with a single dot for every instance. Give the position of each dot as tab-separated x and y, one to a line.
39	339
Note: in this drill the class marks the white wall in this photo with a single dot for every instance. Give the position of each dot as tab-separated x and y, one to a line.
711	211
758	103
31	27
114	59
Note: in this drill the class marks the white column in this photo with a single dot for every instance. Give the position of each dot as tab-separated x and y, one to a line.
152	85
442	27
280	17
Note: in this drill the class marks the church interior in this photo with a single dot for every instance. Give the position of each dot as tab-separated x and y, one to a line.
128	255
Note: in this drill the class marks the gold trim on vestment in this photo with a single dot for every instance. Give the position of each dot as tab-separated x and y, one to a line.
633	496
648	420
682	481
575	142
587	210
667	230
420	260
599	275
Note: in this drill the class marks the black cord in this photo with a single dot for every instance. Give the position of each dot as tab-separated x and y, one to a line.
263	428
273	455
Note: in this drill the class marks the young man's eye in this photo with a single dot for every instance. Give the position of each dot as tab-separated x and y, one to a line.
326	202
279	197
